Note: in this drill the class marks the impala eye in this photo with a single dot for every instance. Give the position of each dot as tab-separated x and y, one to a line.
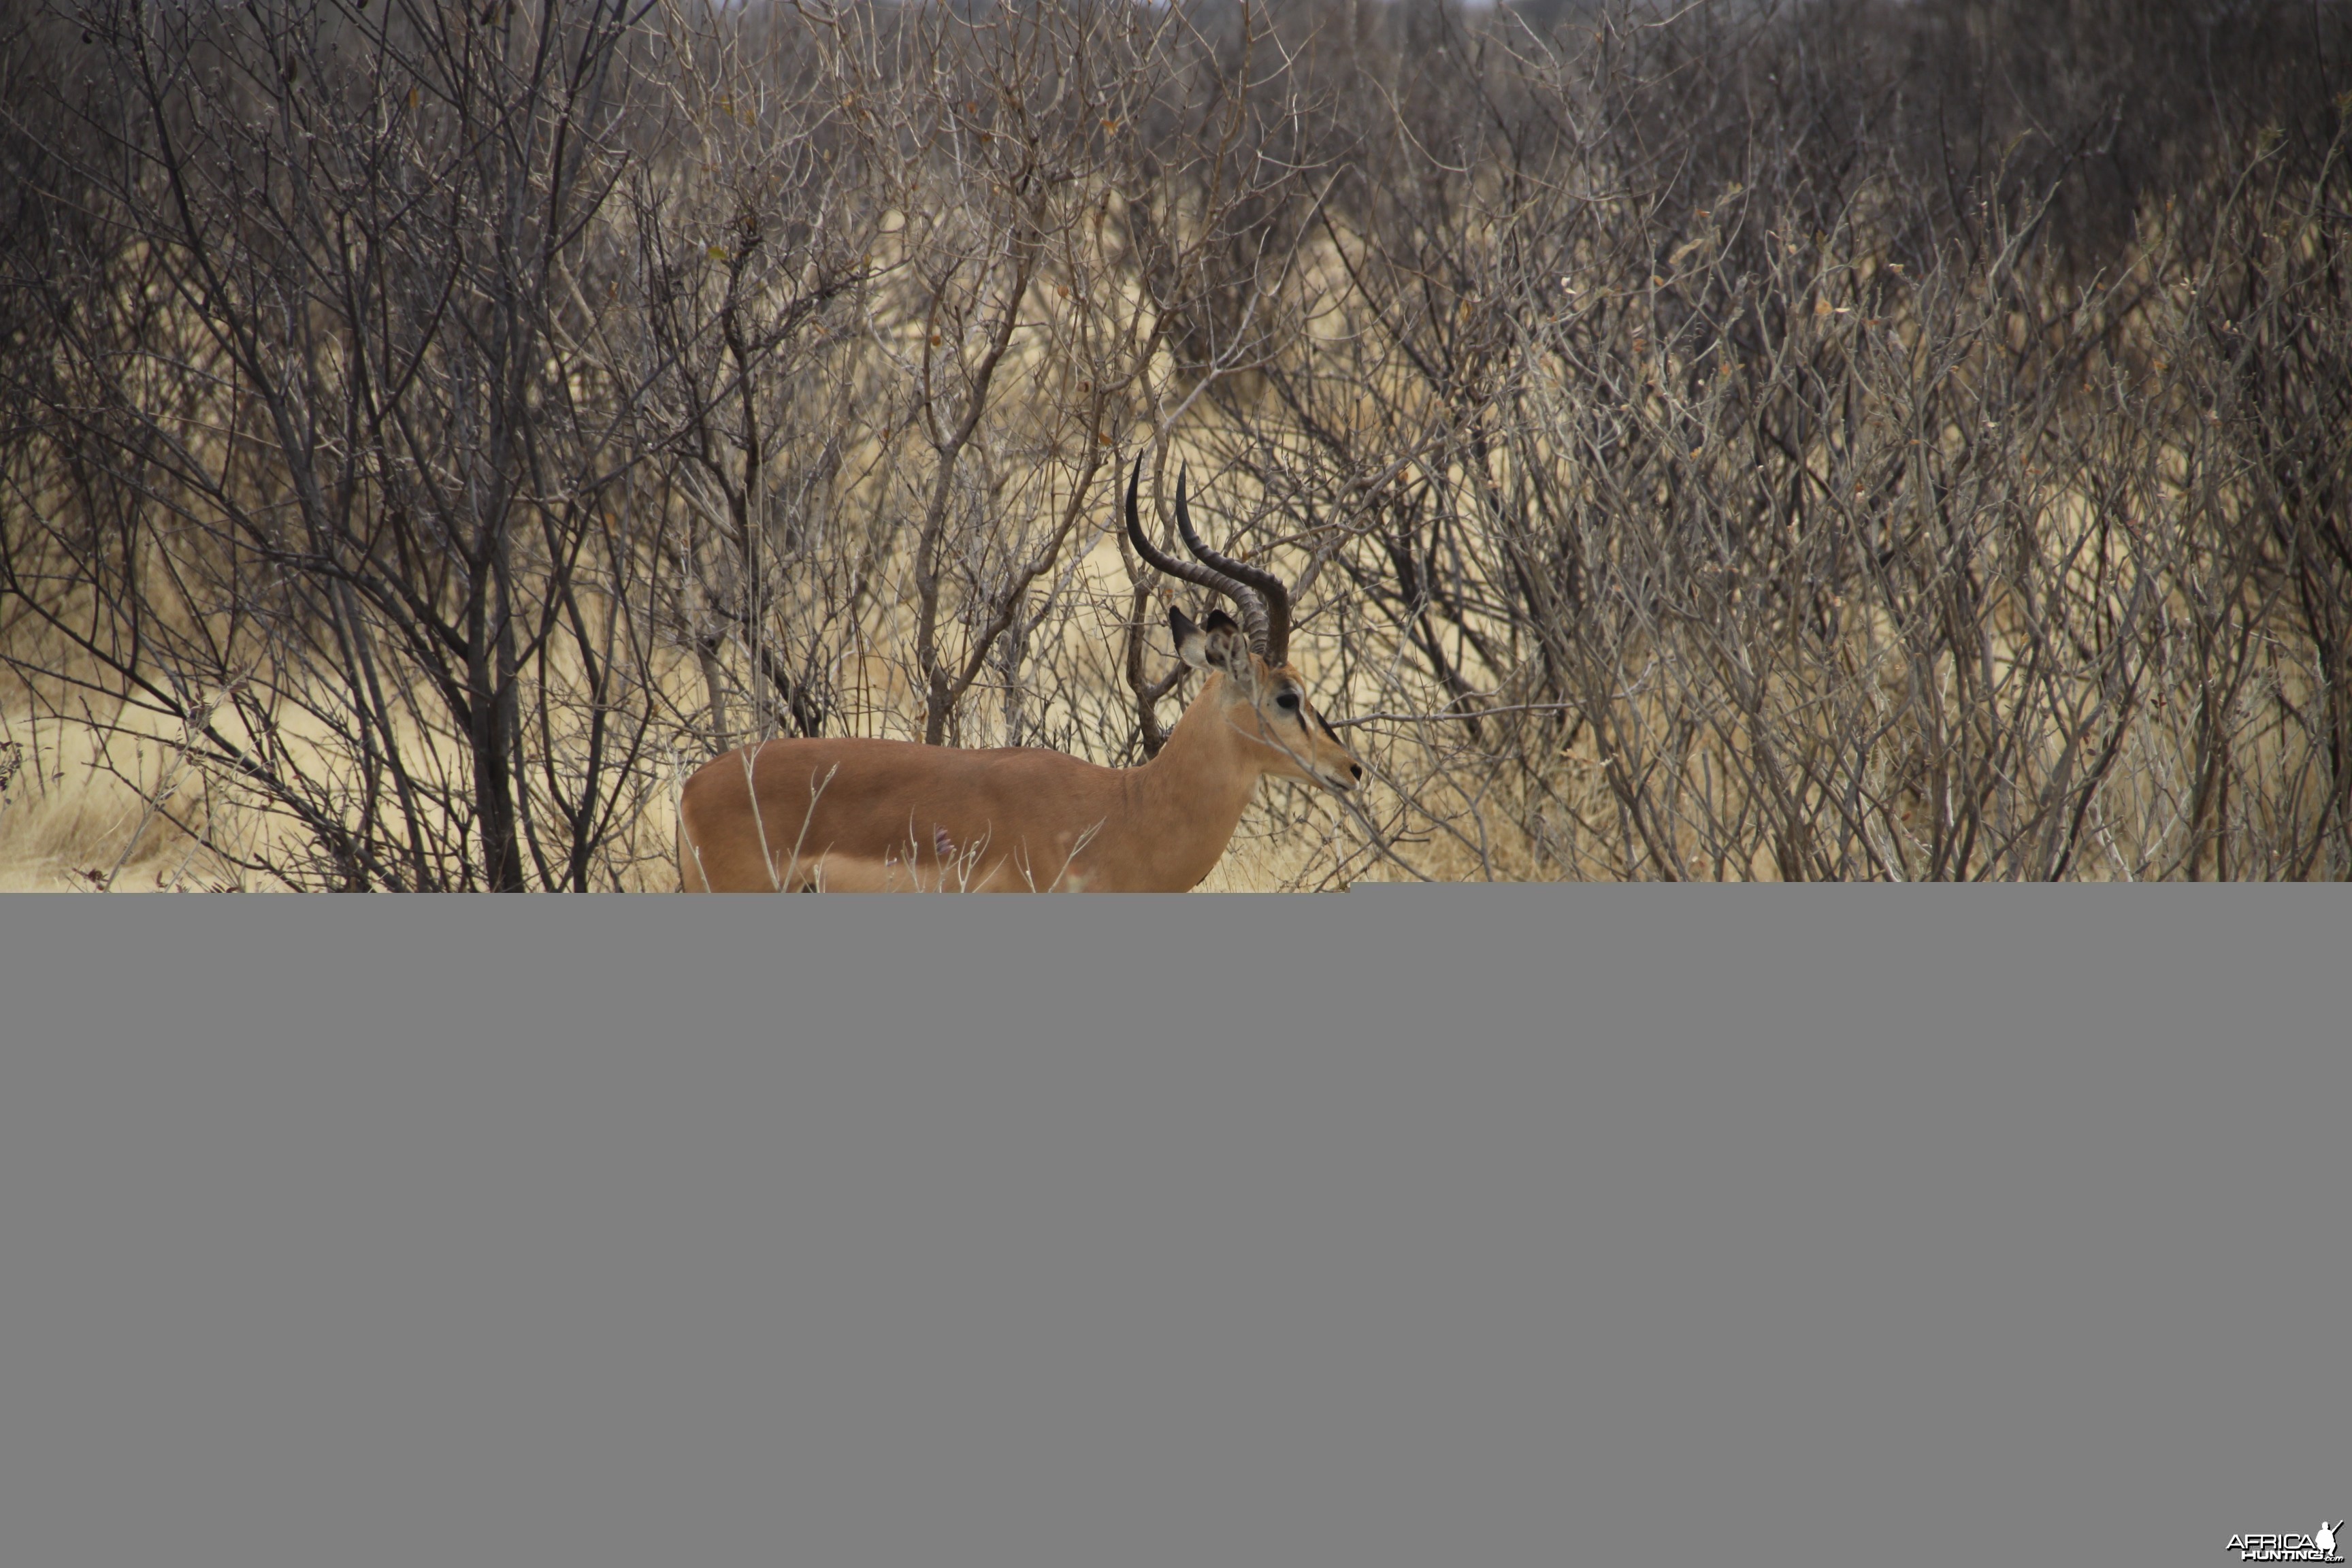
1288	702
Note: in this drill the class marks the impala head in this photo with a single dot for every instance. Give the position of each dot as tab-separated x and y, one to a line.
1262	696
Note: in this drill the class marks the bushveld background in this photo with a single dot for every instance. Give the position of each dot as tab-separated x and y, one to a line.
1732	441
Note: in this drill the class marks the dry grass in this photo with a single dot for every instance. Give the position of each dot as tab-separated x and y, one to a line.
90	810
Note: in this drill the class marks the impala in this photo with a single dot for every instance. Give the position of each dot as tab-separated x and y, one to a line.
875	816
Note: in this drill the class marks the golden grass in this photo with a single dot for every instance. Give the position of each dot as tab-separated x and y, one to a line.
72	819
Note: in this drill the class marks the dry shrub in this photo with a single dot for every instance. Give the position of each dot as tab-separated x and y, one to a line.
1830	440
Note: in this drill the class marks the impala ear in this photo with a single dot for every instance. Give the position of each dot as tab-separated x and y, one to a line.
1192	642
1219	645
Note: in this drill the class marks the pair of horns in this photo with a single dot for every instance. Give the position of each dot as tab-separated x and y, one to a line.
1263	601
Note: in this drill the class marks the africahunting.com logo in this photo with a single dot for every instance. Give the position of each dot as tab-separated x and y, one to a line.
2319	1546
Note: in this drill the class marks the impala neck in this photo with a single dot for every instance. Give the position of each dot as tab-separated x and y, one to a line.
1186	801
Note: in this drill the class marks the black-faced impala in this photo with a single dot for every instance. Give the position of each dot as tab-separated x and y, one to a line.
875	816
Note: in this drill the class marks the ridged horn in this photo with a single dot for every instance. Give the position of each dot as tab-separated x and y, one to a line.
1270	629
1253	613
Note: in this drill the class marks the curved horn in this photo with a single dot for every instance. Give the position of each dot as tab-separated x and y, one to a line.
1272	633
1252	611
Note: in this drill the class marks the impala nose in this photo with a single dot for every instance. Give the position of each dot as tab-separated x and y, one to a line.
1358	770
